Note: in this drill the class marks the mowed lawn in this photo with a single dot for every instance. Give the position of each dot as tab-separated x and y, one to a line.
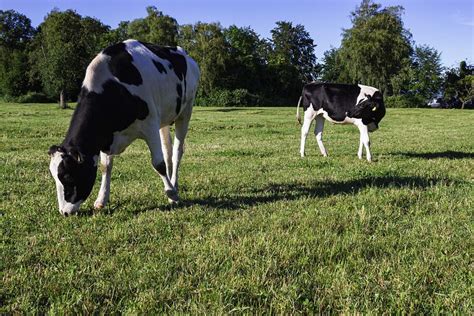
259	229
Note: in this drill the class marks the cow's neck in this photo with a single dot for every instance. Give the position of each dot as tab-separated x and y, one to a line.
84	131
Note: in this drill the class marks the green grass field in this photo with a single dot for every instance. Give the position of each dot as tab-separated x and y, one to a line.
259	229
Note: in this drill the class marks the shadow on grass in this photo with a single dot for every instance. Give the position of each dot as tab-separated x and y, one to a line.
435	155
108	210
294	191
285	192
225	110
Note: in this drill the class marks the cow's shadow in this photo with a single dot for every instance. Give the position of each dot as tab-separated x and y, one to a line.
275	192
294	191
436	155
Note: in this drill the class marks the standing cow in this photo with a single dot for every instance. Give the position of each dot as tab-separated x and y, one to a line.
360	105
131	90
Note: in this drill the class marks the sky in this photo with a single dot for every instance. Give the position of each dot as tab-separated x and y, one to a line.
446	25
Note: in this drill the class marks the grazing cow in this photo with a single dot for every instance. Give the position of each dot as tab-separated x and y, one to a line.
342	104
131	90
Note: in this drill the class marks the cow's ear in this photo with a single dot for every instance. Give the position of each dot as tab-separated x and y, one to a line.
53	149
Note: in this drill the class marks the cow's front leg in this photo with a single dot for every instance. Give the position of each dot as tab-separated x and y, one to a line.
106	162
308	119
361	146
364	140
318	131
178	147
154	144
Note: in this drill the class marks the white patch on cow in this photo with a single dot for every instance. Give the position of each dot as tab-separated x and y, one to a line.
365	90
97	74
347	120
65	207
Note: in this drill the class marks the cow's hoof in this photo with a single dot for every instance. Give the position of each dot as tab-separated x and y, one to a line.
172	196
98	205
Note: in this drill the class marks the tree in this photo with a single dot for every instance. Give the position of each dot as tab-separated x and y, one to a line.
292	45
15	30
459	83
117	35
156	28
64	46
205	42
331	69
376	46
291	62
15	34
246	61
427	71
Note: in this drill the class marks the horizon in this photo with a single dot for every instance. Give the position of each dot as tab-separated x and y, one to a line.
447	27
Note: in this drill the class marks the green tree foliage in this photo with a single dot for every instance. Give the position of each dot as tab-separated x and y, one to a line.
427	71
116	35
376	46
292	61
64	46
292	45
331	68
421	75
459	83
15	35
156	28
206	43
246	59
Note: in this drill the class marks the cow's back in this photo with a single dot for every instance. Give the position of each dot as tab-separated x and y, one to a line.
170	78
163	77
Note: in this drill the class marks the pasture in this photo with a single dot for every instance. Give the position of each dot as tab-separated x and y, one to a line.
259	229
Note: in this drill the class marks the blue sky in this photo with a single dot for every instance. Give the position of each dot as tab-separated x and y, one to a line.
447	25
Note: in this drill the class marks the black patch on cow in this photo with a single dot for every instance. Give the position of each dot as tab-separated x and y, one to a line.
121	65
161	168
160	67
77	177
171	54
99	115
179	99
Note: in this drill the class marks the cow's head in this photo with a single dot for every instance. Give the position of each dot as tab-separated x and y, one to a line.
373	110
74	174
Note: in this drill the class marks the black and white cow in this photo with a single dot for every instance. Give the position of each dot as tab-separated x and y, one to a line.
131	90
360	105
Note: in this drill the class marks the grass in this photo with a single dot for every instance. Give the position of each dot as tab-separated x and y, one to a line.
259	230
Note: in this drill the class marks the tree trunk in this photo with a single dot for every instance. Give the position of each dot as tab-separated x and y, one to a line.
62	101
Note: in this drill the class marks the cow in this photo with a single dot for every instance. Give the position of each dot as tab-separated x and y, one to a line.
131	90
360	105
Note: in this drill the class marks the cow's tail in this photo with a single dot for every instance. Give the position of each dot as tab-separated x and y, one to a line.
298	110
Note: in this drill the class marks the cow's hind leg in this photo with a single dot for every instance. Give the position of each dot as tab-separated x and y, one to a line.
308	119
181	129
166	146
364	141
154	144
318	131
106	162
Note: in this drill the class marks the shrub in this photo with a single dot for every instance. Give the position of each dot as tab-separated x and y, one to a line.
405	101
34	97
30	97
224	97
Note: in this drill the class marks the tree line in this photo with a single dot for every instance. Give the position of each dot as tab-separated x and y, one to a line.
238	66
